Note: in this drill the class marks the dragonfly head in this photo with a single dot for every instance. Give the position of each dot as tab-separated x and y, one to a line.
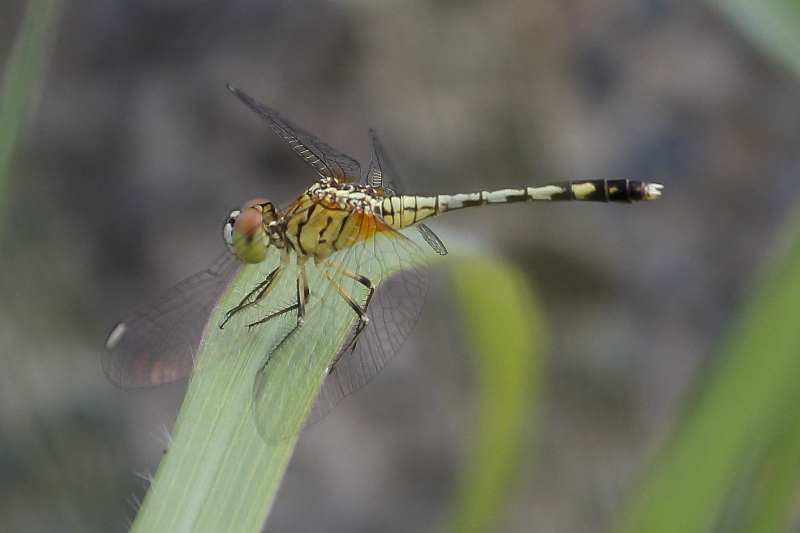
245	230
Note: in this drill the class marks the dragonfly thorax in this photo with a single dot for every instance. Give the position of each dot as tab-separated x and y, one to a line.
344	196
330	216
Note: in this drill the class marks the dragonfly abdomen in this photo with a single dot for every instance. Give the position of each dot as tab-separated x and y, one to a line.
404	211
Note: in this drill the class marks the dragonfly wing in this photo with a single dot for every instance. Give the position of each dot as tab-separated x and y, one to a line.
382	175
157	343
432	239
392	313
375	177
344	168
327	161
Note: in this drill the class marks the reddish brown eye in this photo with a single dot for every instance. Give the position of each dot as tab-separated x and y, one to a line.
248	223
245	235
254	202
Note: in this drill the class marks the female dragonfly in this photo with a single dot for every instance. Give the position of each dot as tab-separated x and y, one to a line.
335	219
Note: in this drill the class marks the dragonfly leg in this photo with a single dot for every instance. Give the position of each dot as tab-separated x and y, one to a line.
274	315
252	297
260	379
303	295
360	310
259	292
300	306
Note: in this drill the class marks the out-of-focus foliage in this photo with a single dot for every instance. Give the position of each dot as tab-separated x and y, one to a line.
49	459
771	25
20	81
507	334
734	456
732	462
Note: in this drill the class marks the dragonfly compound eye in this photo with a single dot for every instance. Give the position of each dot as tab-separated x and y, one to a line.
258	203
245	236
227	230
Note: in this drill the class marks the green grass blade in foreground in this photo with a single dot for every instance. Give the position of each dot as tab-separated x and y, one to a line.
505	325
773	25
21	78
219	474
739	407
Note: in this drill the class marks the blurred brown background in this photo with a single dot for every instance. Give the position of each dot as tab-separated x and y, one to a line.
137	152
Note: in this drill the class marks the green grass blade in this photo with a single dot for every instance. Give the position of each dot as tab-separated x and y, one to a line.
770	503
504	322
741	406
219	474
22	76
771	24
230	449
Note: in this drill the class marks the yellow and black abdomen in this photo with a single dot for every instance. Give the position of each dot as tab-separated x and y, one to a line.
403	211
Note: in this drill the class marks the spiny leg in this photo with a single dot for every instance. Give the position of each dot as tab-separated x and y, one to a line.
252	297
361	311
300	306
274	315
260	291
303	295
260	376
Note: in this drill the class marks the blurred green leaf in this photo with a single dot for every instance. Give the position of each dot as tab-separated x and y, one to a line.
22	76
773	25
742	406
504	324
733	460
770	501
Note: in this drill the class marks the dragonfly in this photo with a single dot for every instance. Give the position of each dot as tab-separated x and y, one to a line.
334	226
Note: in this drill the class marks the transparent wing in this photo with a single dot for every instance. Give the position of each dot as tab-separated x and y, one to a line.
392	313
327	161
382	175
432	239
157	343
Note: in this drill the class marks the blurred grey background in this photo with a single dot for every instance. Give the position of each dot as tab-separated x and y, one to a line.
137	152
